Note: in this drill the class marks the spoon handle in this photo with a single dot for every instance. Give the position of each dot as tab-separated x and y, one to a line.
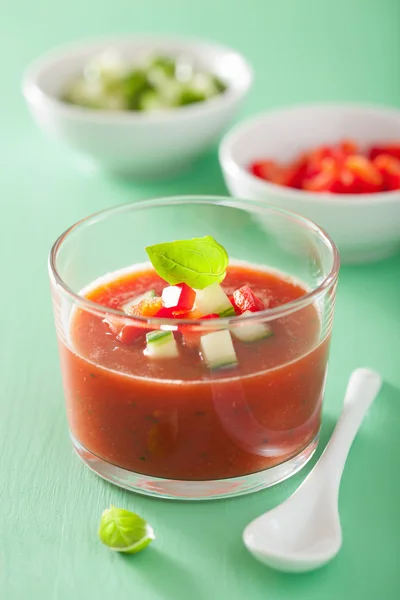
362	389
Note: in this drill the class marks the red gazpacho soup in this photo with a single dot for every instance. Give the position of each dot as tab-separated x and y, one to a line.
194	404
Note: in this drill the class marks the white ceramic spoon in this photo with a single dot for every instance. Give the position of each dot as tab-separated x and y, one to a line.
304	532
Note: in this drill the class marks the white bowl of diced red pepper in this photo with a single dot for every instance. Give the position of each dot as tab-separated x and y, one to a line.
338	165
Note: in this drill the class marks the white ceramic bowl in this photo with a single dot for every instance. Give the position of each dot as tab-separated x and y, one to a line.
138	144
365	227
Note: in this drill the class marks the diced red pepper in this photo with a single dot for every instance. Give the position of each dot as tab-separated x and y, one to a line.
180	314
269	170
232	301
325	179
338	168
295	173
391	149
165	313
315	161
245	299
130	334
114	323
179	297
345	183
126	333
347	147
389	168
367	177
211	316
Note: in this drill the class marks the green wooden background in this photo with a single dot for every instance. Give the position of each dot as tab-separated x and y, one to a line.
49	503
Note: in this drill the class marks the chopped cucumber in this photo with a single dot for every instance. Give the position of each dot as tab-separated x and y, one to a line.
217	350
213	300
204	83
229	312
127	307
251	332
151	100
161	344
107	66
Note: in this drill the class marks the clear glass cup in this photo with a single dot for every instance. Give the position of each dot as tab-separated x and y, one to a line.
199	433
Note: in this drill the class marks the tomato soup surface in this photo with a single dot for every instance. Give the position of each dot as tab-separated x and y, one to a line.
173	418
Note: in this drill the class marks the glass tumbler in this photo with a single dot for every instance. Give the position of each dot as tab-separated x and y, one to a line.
189	432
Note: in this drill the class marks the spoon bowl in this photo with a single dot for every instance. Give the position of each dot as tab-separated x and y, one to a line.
298	535
304	532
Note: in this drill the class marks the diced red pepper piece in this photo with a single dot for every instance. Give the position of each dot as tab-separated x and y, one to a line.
126	333
391	149
130	334
296	172
347	147
232	301
180	297
165	313
389	168
325	179
269	170
367	177
345	183
315	160
211	316
245	299
114	323
180	314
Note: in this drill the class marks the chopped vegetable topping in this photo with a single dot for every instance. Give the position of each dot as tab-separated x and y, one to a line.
245	300
203	261
161	344
217	350
160	83
147	308
251	332
129	334
213	300
179	297
341	168
389	167
128	307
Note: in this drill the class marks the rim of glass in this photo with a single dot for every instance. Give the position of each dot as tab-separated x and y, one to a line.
263	315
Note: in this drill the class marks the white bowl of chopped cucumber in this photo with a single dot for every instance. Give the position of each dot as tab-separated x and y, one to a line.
139	106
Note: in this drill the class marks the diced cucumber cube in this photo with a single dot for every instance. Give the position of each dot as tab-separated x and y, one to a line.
151	100
213	300
107	66
204	83
190	95
229	312
217	350
251	332
161	344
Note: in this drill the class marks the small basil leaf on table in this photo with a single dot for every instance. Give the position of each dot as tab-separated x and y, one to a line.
124	531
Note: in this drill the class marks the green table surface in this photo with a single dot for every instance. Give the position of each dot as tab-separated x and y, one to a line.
49	502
